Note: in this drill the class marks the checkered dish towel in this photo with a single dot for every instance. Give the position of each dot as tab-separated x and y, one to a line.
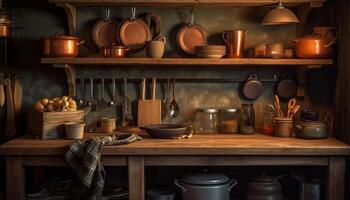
84	158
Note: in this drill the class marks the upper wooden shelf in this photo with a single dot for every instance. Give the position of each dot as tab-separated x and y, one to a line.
186	61
171	3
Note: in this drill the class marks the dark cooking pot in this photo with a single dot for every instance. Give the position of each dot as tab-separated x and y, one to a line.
264	188
205	186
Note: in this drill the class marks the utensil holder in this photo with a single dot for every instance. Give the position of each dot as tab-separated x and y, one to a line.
283	127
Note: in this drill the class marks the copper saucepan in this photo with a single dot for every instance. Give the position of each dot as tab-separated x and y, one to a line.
4	26
60	46
114	51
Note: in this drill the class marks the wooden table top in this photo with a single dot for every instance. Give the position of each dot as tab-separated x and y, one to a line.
218	144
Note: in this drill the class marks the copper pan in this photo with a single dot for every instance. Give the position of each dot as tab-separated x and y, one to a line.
134	32
60	46
105	31
114	51
191	35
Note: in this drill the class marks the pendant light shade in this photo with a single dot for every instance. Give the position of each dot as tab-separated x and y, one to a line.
280	16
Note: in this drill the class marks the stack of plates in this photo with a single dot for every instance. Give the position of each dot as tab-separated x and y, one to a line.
210	51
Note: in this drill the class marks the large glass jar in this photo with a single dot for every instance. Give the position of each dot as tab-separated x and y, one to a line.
206	121
247	125
229	118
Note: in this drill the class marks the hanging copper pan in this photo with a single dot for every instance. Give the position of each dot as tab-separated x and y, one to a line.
191	35
134	32
105	31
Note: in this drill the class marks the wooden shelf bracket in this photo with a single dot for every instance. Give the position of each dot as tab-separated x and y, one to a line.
71	76
71	17
303	14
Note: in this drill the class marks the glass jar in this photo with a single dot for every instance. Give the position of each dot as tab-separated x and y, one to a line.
269	121
229	118
206	121
247	125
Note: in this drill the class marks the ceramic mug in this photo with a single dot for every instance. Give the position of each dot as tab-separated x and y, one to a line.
155	48
108	125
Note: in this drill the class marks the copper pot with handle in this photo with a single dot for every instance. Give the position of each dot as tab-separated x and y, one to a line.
60	46
4	25
114	51
235	43
314	46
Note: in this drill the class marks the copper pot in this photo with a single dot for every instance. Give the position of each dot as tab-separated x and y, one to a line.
114	51
60	46
314	46
235	43
4	26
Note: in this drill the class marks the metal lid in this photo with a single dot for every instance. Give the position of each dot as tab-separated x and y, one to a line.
208	110
230	110
205	179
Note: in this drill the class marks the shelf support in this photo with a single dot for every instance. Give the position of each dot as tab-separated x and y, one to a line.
71	76
71	17
303	14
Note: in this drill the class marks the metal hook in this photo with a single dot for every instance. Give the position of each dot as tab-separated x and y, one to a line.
107	13
192	17
133	12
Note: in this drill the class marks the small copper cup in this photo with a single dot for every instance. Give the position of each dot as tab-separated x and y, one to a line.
288	53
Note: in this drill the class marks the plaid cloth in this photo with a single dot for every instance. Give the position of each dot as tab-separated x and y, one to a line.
84	158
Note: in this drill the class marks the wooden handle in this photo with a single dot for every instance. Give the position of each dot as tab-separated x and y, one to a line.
154	83
143	89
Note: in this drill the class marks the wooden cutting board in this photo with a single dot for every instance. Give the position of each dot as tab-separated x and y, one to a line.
149	110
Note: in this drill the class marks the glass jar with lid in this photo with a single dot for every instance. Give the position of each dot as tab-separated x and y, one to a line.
206	121
247	125
229	118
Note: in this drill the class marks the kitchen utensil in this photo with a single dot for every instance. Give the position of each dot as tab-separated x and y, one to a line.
235	43
10	129
264	188
330	33
288	53
17	99
160	195
206	121
279	16
2	92
4	25
291	104
309	191
274	50
251	88
283	127
205	186
228	118
165	131
127	118
286	87
101	103
278	107
60	46
314	46
74	130
154	24
108	125
114	51
155	48
247	119
309	115
210	51
311	130
174	109
91	102
260	51
191	35
105	31
134	32
81	101
112	102
165	101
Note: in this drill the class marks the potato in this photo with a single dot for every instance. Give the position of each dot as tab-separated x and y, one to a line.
39	107
50	107
64	98
44	101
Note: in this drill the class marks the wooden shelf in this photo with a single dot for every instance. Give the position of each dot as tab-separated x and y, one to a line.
187	61
175	3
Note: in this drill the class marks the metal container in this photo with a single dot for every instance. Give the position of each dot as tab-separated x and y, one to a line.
235	43
311	130
206	120
114	51
314	46
229	118
60	46
205	186
4	26
264	188
274	50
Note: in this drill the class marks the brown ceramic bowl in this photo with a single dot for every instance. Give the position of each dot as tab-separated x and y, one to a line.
165	131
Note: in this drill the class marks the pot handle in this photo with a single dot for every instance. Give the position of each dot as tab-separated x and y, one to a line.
224	36
298	127
231	184
330	43
81	42
253	77
163	39
178	184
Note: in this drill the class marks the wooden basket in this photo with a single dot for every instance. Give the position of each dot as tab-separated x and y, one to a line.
50	125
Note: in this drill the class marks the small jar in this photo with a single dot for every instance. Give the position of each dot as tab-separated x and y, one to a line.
229	118
247	125
269	121
206	121
108	125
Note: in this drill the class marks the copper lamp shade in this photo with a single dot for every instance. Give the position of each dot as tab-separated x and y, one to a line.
280	16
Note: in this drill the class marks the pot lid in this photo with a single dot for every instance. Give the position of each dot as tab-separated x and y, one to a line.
205	179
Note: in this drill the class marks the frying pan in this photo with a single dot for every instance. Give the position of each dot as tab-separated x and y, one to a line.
105	31
286	87
191	35
134	32
251	88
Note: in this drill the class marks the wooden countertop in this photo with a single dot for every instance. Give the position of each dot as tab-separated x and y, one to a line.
218	144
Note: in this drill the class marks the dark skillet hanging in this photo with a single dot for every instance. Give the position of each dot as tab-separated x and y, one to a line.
105	31
251	88
286	87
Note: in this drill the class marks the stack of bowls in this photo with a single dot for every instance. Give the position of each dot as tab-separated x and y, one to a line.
210	51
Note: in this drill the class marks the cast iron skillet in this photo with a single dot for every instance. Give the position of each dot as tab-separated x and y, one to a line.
165	131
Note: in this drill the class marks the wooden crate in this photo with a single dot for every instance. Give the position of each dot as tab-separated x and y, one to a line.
50	125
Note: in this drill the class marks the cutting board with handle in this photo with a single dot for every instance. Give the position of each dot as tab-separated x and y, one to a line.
149	110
